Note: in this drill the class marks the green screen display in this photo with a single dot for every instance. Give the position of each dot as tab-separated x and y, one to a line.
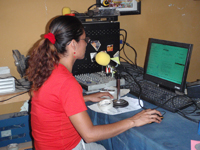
167	62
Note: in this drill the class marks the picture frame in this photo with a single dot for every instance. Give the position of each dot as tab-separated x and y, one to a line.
125	7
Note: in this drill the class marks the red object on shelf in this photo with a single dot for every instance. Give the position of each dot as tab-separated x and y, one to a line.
69	14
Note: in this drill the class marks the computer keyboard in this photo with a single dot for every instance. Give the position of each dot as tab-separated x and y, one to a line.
159	96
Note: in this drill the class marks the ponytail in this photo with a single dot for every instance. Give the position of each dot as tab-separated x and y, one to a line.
41	63
44	57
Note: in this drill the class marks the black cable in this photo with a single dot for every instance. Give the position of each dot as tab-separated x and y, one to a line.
124	38
132	68
139	88
125	43
190	112
188	98
74	11
14	96
170	99
94	5
183	112
183	115
127	57
135	53
127	61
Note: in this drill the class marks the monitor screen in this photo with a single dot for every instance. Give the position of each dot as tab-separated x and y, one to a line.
167	63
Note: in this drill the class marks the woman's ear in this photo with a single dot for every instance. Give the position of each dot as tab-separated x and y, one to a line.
73	44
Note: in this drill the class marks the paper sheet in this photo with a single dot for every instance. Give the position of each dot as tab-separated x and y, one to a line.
133	105
25	106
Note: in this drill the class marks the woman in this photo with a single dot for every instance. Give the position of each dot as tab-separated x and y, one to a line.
59	118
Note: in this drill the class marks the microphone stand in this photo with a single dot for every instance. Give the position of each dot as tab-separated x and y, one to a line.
117	103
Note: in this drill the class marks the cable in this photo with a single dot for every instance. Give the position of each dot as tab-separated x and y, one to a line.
122	42
124	38
137	84
127	57
137	71
128	62
123	49
139	88
94	5
74	11
135	53
189	118
14	96
125	43
194	110
172	99
191	113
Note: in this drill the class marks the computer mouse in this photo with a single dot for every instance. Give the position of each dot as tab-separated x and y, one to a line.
158	116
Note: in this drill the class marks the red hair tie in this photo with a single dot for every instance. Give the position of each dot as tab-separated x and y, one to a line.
50	37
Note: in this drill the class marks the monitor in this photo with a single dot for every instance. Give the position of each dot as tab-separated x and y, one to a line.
167	63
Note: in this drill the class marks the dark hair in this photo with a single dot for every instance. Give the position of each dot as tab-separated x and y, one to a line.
45	55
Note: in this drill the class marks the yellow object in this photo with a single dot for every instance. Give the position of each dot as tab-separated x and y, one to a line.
105	3
116	59
66	10
102	58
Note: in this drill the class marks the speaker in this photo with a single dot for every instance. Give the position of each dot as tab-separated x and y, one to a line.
107	33
193	89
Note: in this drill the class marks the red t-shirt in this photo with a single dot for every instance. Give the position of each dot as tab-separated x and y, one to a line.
58	98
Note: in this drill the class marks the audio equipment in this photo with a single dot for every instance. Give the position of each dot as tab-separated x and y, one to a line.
96	81
102	58
106	33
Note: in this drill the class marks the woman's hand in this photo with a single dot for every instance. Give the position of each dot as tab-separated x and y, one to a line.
96	97
146	117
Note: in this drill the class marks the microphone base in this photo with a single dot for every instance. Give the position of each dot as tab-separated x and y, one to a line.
119	103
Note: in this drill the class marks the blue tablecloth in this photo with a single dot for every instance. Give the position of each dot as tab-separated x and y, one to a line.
173	133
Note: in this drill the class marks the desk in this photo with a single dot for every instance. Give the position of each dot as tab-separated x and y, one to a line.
22	146
14	104
173	133
17	128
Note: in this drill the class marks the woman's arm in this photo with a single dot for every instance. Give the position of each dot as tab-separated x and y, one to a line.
91	133
96	97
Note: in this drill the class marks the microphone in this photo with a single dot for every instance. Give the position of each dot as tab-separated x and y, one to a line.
102	58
